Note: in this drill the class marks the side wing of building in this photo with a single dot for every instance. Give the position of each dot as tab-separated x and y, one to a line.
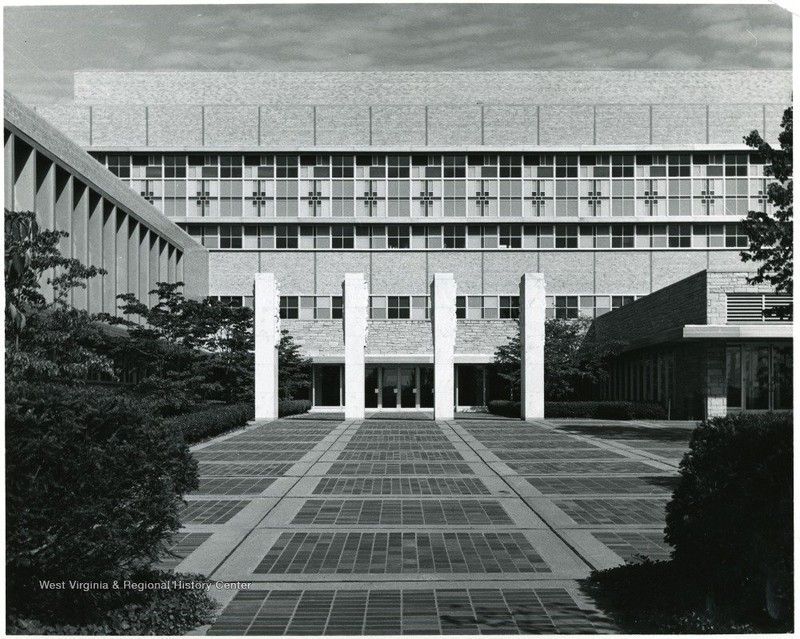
109	225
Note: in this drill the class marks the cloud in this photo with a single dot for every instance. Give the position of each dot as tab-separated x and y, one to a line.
47	44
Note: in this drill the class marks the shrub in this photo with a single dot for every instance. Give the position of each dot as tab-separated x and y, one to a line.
603	410
656	597
171	611
94	486
293	407
566	410
208	422
504	407
629	410
730	517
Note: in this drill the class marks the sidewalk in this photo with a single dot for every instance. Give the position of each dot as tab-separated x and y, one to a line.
408	526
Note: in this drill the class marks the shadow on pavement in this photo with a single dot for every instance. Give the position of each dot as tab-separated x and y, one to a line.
618	431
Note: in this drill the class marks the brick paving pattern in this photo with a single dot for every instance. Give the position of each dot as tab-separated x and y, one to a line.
340	526
395	612
395	512
401	486
401	552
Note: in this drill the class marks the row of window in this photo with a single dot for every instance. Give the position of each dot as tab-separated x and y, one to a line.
486	307
468	236
452	198
564	165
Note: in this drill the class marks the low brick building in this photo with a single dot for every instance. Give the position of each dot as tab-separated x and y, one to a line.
705	346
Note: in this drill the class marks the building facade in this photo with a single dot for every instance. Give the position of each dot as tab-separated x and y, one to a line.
613	185
707	345
108	225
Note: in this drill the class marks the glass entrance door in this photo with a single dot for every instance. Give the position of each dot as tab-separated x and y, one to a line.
398	386
408	386
389	387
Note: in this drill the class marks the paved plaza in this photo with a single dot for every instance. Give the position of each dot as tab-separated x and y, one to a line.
401	525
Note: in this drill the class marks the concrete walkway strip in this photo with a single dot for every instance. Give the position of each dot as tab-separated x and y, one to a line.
311	525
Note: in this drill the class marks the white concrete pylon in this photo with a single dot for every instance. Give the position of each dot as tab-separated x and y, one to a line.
531	333
356	312
443	303
267	333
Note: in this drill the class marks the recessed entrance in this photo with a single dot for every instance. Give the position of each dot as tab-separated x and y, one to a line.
399	386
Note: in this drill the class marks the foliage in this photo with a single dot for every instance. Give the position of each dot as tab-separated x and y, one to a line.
660	597
505	408
770	234
187	350
730	517
134	612
288	407
605	410
571	363
46	339
215	420
94	486
586	410
32	256
294	370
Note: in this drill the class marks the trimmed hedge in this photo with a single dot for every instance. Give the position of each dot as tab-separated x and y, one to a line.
203	424
293	407
585	410
604	410
730	518
504	408
94	488
221	418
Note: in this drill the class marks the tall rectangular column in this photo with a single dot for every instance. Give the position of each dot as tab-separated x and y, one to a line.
531	332
267	339
356	311
443	303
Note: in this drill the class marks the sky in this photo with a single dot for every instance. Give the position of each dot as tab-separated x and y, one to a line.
44	46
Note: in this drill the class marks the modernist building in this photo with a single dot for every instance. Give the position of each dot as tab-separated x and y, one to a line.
613	185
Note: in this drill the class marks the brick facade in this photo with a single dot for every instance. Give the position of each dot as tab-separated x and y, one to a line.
421	109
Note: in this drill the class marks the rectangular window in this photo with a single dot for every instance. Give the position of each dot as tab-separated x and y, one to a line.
733	376
342	237
398	307
454	236
510	236
509	306
286	237
175	166
680	236
120	165
230	236
230	166
419	307
290	307
399	236
566	306
566	236
622	236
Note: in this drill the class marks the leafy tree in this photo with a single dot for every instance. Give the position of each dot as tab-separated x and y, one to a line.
191	350
294	370
187	350
47	339
572	364
770	234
